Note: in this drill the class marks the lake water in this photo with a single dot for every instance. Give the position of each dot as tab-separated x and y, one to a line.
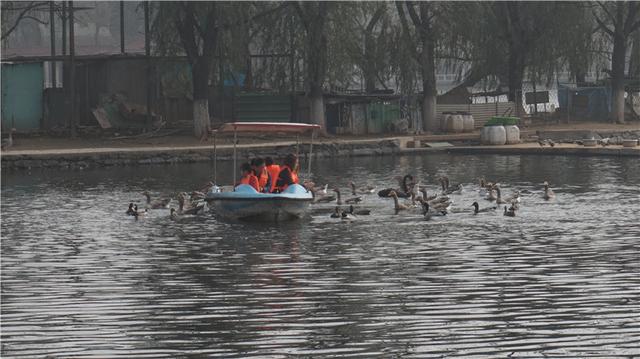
561	279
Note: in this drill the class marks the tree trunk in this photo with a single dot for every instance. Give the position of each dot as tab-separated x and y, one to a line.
200	75
617	78
516	75
317	63
430	92
316	113
369	65
429	114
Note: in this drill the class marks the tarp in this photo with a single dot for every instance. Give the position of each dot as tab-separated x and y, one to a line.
598	104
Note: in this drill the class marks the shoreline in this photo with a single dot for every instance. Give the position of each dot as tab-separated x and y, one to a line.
126	156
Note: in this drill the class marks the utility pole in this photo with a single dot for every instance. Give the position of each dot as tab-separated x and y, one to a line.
122	27
52	35
72	71
147	51
292	69
64	28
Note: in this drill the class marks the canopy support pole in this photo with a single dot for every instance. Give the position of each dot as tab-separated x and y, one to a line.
313	133
235	167
215	159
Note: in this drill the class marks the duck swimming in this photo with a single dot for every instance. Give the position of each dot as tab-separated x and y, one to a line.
447	189
477	209
548	192
428	213
360	211
348	216
131	211
353	200
337	213
511	212
138	213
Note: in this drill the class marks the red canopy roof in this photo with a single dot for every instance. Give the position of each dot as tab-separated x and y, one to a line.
267	127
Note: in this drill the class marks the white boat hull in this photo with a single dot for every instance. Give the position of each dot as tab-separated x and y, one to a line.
247	204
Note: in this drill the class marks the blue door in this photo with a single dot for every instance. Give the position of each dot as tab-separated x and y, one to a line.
22	96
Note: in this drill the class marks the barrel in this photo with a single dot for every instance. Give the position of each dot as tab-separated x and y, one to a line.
468	123
454	123
513	134
493	135
443	121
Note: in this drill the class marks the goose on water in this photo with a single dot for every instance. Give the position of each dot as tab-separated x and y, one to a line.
511	212
137	213
131	211
427	212
447	188
157	204
359	211
396	204
477	208
548	192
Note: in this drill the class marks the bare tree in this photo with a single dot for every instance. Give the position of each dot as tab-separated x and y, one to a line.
314	17
618	20
423	36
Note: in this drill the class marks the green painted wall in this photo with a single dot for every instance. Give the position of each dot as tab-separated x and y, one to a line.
22	96
380	115
262	107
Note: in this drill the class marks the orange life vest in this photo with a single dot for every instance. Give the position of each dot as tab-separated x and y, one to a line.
294	178
274	171
251	180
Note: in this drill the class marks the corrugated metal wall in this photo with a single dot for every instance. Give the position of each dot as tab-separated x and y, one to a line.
481	112
22	96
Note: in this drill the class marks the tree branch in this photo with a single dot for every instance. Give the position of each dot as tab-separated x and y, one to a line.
407	32
603	26
21	16
631	17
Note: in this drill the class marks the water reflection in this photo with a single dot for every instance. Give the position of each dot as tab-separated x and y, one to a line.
80	279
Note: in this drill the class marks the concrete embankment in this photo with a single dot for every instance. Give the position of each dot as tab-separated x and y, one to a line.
99	157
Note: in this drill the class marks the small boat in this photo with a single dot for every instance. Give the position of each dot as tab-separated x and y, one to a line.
244	202
248	204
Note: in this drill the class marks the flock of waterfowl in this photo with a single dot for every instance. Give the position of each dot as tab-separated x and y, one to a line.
410	196
188	204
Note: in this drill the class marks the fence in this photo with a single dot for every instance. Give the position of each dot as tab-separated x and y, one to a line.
481	112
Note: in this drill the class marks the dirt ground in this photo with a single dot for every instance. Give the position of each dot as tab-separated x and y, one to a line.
39	142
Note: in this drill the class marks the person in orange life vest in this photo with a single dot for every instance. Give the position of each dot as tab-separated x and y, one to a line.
248	177
261	173
288	173
273	170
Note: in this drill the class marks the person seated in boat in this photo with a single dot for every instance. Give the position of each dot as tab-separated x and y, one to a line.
273	169
288	173
248	177
260	171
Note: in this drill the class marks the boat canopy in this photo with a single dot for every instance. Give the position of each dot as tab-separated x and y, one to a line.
267	127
